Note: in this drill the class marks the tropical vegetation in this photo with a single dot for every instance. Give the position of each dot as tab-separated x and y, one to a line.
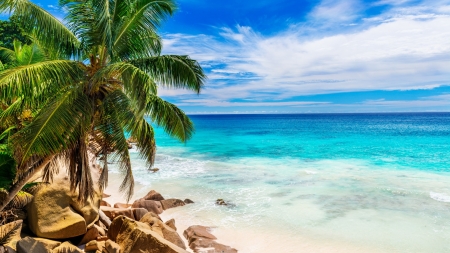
83	85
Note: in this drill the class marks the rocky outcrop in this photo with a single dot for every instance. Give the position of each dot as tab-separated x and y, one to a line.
153	195
135	237
171	223
36	245
171	203
112	247
132	213
56	213
149	205
161	228
104	203
201	240
66	247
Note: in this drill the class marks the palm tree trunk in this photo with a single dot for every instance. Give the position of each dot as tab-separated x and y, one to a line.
16	187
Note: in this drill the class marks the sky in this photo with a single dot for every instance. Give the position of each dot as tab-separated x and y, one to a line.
311	56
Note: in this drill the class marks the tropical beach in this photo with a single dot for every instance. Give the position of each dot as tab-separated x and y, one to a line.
163	126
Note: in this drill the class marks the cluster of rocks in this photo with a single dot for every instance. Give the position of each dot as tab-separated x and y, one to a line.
58	223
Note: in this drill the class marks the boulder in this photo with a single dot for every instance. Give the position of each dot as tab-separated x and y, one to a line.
135	237
171	223
188	201
36	245
122	205
150	205
161	228
104	203
94	246
133	213
201	240
12	229
153	195
171	203
198	232
66	247
56	213
90	235
112	247
105	195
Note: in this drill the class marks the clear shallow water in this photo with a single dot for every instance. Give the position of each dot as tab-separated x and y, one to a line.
312	183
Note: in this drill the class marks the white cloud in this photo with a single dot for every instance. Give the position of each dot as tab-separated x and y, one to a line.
405	48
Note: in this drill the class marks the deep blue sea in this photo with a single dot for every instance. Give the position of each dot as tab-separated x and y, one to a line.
317	182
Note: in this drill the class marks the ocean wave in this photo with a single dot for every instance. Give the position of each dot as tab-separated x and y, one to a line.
441	197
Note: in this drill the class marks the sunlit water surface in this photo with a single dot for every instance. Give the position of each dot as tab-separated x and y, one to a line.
310	183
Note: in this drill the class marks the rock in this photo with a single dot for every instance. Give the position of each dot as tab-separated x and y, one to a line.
150	205
161	228
102	238
171	224
121	205
104	203
130	146
201	240
36	245
90	235
188	201
12	229
56	213
133	213
66	247
105	195
134	237
221	202
153	195
198	231
171	203
112	247
94	245
138	213
154	170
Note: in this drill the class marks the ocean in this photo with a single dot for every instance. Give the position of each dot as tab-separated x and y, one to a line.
310	182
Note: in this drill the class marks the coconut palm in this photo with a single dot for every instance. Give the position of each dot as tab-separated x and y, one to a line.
98	83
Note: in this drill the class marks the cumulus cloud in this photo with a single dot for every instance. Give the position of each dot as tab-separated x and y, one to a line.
403	48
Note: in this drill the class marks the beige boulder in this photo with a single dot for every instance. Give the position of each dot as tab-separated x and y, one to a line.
94	246
171	223
66	247
132	213
161	228
201	240
149	205
36	245
171	203
56	213
112	247
136	237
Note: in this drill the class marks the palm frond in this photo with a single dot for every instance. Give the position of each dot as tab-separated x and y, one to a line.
171	118
56	127
10	233
137	25
173	71
111	127
7	55
46	28
136	83
31	79
21	200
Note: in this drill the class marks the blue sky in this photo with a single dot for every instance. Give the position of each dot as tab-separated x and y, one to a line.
303	56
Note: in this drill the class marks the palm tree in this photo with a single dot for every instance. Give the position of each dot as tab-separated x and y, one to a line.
98	82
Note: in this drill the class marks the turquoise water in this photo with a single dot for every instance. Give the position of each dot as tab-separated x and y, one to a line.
315	182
